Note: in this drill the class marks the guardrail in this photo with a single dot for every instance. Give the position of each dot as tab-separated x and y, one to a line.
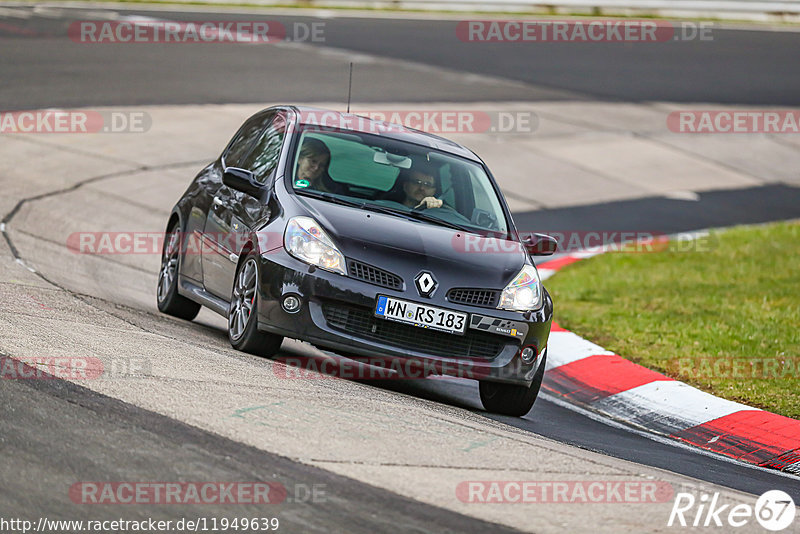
768	10
743	6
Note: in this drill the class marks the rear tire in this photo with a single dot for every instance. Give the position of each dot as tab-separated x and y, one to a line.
167	297
243	330
508	399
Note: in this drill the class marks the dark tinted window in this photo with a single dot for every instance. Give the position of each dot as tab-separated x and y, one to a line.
244	139
263	159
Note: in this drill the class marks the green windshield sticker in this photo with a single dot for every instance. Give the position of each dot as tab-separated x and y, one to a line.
302	183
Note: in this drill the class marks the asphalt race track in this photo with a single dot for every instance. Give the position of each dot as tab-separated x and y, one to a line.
53	432
736	67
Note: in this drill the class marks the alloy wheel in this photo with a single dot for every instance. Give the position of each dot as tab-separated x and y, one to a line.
244	298
169	267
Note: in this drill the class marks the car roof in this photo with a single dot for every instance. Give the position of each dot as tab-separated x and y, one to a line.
358	123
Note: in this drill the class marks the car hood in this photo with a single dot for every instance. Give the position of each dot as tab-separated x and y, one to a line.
404	247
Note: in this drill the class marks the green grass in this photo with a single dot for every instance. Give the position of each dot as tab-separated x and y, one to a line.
732	302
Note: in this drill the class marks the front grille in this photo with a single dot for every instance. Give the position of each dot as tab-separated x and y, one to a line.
486	298
362	323
373	275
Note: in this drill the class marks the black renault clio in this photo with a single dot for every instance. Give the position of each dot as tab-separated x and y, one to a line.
364	238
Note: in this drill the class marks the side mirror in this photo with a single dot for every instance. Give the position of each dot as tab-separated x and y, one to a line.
540	244
242	180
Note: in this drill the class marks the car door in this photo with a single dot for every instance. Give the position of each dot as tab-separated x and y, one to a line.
198	196
215	255
233	213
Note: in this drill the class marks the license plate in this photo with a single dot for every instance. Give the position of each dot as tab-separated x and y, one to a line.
421	315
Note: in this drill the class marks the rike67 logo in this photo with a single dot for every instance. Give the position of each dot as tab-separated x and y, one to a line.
774	511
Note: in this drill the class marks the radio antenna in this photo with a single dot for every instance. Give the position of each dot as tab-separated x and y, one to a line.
350	87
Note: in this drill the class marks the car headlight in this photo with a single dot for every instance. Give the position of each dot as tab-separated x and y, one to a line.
524	292
307	241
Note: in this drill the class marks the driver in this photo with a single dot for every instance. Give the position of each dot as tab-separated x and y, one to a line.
419	187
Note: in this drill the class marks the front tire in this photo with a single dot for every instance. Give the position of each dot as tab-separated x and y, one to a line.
243	330
167	297
508	399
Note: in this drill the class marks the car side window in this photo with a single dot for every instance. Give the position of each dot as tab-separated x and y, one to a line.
243	141
263	159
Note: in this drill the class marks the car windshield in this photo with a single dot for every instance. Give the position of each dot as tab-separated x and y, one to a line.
398	178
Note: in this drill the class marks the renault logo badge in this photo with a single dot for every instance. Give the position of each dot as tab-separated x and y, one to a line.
426	284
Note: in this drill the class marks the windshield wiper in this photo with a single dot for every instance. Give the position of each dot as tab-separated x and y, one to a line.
436	220
331	198
362	205
386	210
411	215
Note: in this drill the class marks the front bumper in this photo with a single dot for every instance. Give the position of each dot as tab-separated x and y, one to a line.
337	314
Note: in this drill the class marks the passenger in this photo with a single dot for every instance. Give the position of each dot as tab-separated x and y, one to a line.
312	168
